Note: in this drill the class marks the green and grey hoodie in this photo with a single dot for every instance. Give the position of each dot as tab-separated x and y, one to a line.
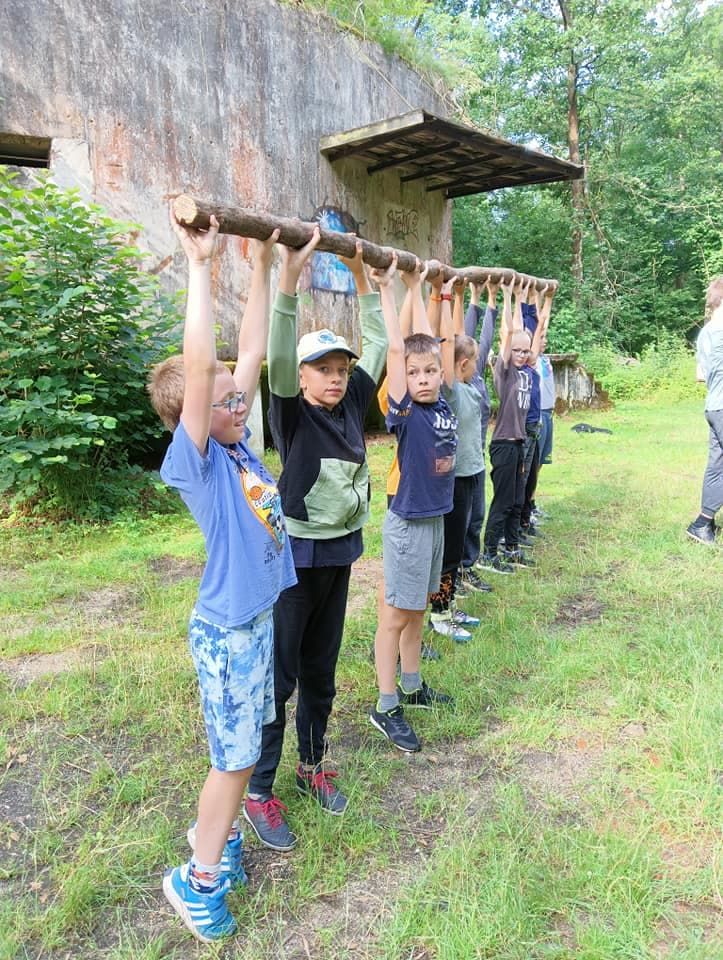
324	482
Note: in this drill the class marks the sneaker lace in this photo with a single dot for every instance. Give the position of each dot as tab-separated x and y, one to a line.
321	781
272	811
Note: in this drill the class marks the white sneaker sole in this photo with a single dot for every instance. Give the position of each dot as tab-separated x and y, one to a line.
398	746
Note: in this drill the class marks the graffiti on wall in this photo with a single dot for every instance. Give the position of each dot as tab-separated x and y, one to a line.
327	271
400	226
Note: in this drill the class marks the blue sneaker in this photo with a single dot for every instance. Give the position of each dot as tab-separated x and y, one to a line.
231	858
465	620
205	914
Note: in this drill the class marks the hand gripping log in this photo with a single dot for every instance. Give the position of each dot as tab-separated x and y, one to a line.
295	233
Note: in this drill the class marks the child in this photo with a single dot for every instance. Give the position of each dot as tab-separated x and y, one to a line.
547	400
324	487
413	531
512	384
465	401
471	320
235	503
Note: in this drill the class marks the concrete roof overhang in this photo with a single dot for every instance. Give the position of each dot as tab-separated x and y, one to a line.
448	156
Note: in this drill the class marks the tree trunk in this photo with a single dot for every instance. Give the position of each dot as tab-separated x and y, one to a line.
573	137
295	233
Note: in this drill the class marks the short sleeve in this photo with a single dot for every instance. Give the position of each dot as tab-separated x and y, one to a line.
398	411
183	466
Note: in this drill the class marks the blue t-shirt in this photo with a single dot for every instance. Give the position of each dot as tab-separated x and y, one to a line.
426	445
533	414
235	502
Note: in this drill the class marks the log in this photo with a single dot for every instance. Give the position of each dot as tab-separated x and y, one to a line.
295	233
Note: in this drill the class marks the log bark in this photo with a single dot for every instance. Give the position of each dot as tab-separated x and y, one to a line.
197	214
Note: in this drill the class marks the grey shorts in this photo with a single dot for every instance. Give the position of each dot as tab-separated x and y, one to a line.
413	552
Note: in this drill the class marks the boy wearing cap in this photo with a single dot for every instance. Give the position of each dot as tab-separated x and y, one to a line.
317	410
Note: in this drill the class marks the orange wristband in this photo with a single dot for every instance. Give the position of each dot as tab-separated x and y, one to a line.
436	299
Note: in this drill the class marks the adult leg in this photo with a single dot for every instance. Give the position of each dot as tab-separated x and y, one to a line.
712	497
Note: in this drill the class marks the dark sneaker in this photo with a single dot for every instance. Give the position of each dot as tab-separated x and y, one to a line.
318	784
444	625
465	620
267	819
395	728
231	858
525	541
425	697
702	532
471	580
429	653
495	563
205	914
518	559
540	515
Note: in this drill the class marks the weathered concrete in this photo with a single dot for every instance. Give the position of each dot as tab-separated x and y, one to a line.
575	387
145	98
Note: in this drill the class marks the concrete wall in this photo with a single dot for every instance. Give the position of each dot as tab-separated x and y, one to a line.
225	100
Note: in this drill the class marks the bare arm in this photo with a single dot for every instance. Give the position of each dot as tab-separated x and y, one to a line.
434	308
413	280
506	323
447	332
458	309
254	331
199	336
396	365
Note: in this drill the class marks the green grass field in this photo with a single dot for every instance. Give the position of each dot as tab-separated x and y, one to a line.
568	809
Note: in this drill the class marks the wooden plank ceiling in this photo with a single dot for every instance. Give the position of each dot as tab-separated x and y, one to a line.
452	157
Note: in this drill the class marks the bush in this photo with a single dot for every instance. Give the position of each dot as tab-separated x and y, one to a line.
80	323
665	370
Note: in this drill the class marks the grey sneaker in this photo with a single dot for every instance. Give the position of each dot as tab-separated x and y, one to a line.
395	728
266	817
444	625
471	580
318	784
518	559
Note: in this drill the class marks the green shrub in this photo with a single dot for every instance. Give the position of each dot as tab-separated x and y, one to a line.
80	323
664	370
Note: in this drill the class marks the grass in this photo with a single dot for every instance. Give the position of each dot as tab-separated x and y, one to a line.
567	810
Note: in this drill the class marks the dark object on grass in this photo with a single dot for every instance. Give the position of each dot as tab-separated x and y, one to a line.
587	428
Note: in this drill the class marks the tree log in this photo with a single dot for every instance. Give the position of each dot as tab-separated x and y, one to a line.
295	233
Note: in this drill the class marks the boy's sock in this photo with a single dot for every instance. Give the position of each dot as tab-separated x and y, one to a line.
387	702
409	682
204	877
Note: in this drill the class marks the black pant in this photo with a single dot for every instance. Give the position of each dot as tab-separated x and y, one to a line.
308	626
456	523
531	485
508	479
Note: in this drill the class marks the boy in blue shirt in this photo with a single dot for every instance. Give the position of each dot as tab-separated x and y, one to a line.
235	503
413	531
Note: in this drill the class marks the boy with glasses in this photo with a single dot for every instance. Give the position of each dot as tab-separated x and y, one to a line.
235	503
513	385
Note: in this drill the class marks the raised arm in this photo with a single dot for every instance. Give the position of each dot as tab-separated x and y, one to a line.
506	323
254	331
396	364
283	363
459	284
447	334
412	280
434	307
199	336
374	338
487	332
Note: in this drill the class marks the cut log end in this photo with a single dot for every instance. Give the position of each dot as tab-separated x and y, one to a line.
185	209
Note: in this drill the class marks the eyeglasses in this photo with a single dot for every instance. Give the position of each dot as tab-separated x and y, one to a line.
233	404
522	353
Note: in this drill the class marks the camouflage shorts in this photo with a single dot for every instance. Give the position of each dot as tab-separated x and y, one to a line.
236	678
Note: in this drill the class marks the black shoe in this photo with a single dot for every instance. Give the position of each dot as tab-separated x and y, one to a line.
395	728
531	531
425	697
517	558
429	653
525	541
702	532
495	563
470	579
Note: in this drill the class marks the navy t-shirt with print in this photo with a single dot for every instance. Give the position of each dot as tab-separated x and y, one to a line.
426	446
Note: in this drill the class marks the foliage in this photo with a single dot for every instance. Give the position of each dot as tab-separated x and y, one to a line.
664	373
80	322
647	81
